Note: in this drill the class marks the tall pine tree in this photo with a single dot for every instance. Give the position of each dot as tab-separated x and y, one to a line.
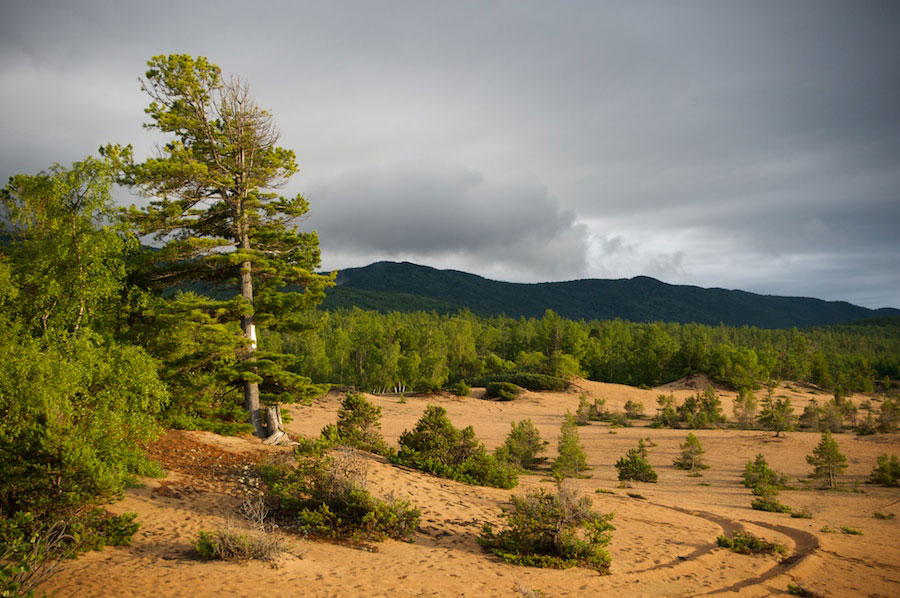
216	214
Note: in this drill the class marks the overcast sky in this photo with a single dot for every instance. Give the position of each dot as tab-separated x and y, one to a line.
751	145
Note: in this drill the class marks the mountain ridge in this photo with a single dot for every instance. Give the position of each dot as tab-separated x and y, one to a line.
404	286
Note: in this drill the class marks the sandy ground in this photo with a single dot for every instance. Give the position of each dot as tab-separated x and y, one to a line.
664	544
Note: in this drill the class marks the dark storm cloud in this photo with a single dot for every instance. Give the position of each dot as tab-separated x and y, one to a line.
721	143
414	208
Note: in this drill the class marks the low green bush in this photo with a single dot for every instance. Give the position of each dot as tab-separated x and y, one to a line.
461	389
437	447
852	531
798	590
326	496
635	467
757	473
527	380
886	471
747	543
769	504
552	530
503	391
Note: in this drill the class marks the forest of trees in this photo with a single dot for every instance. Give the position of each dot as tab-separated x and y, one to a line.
428	351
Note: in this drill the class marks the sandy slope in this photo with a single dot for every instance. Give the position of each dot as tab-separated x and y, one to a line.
662	546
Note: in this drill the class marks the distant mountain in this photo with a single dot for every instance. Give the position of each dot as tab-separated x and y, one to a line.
391	286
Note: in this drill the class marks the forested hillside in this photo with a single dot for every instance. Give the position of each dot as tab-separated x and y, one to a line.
389	286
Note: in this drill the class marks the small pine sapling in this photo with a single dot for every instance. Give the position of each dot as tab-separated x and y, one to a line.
571	460
691	458
827	461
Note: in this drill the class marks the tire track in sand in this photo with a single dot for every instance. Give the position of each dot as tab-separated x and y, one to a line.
805	544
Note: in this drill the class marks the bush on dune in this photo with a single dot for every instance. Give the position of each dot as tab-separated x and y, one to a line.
437	447
552	530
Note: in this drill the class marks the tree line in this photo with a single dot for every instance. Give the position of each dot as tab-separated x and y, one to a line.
423	351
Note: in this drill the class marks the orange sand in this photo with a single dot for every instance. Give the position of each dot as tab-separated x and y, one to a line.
662	546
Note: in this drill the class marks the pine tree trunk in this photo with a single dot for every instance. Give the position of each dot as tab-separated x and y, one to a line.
251	388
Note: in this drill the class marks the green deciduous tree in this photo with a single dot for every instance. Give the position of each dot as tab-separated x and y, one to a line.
214	207
827	461
66	255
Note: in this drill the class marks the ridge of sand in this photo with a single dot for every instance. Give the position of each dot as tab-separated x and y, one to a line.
663	545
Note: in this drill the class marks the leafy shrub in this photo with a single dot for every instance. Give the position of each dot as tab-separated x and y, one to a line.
522	445
552	530
503	391
358	426
635	467
74	410
571	460
885	516
437	447
803	513
886	471
747	543
327	496
851	531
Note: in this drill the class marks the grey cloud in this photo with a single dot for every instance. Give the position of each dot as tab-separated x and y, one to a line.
417	209
721	143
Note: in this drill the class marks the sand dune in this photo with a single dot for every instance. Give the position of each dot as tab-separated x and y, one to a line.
663	545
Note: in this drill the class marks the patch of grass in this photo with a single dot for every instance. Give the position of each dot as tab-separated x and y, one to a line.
703	484
798	590
263	543
846	529
636	495
880	515
804	513
747	543
231	545
827	530
603	491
